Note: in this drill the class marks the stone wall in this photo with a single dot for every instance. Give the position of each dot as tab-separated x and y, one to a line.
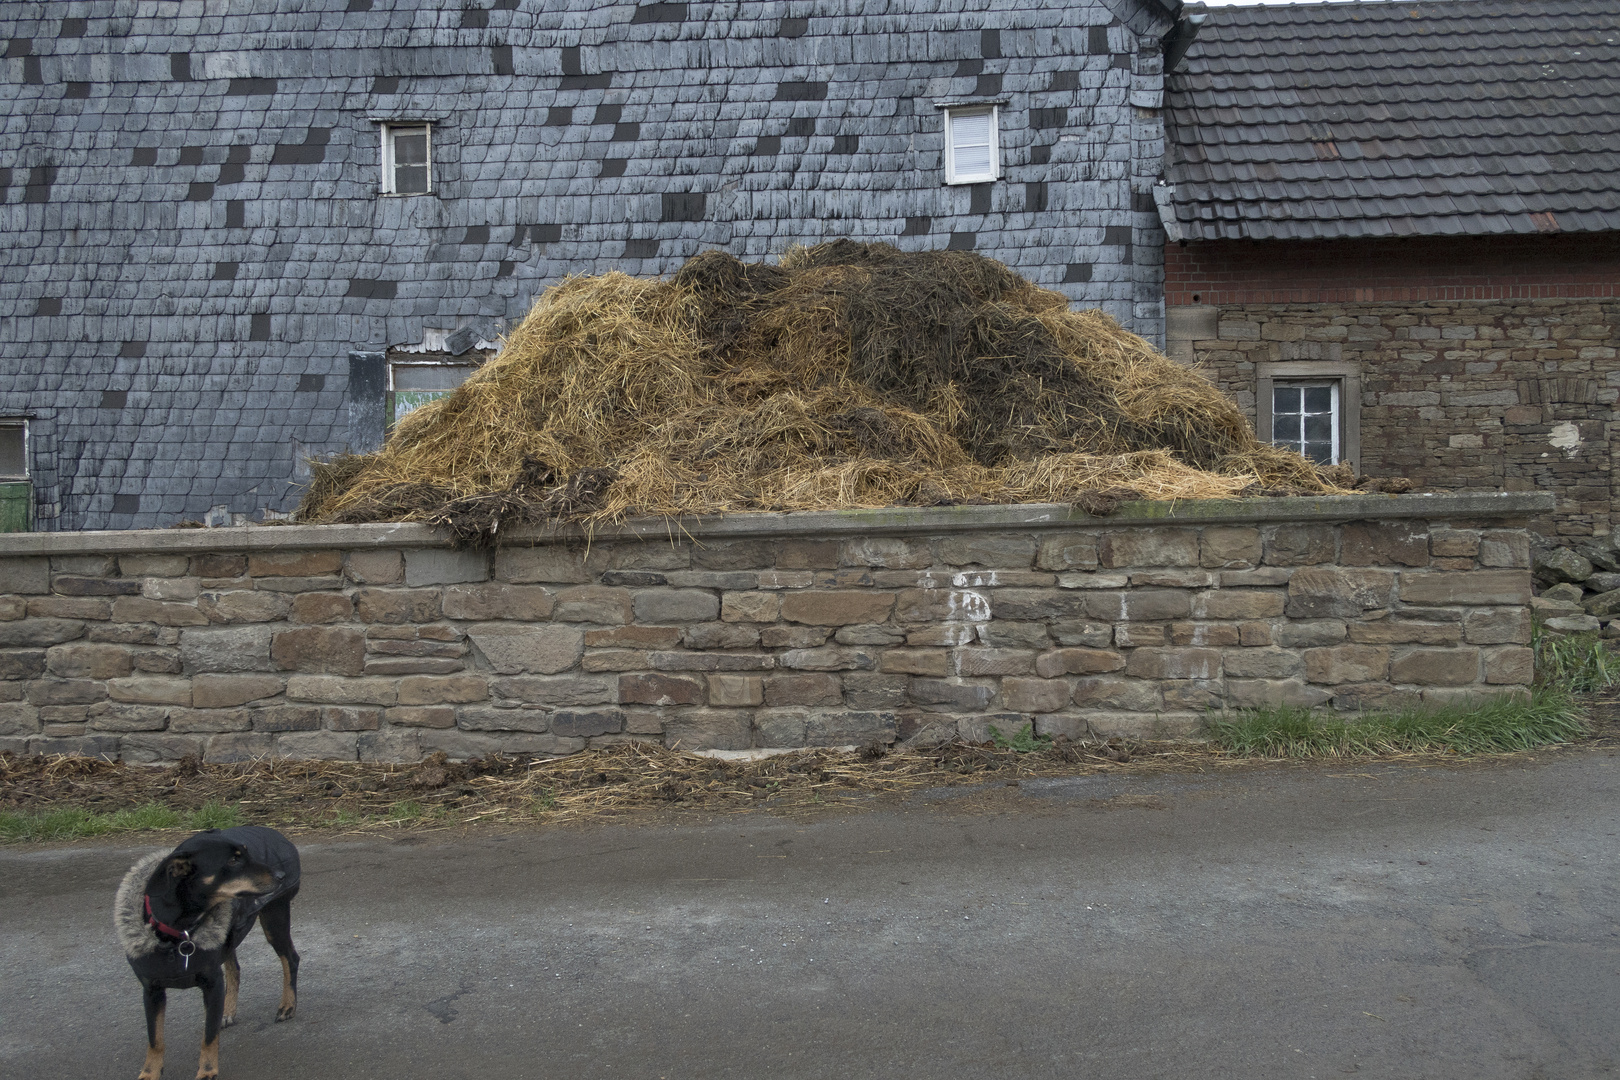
379	642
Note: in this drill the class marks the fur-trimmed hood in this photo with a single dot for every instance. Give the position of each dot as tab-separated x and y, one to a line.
129	915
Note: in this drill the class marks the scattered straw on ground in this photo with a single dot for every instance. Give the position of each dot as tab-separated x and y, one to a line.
850	375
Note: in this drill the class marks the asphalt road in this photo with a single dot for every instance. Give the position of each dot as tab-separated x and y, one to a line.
1279	922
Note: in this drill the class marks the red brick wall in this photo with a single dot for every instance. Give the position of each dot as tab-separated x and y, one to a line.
1333	271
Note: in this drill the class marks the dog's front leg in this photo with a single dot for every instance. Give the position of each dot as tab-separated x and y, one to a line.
213	1012
233	984
156	1000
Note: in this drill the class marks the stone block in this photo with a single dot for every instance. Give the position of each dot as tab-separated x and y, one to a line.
551	564
674	606
734	555
647	555
68	585
1239	604
870	634
1299	545
518	649
836	608
1094	635
967	605
688	660
243	606
19	718
22	663
808	689
25	576
389	746
1077	661
733	580
1148	547
1446	543
780	729
291	564
219	566
84	660
1136	605
461	745
285	718
593	604
138	609
658	689
1506	549
1385	543
871	691
150	690
337	690
1308	632
1174	577
398	606
1069	551
1403	631
137	634
1273	694
157	661
238	746
498	600
1113	692
1258	578
994	661
1435	667
830	658
36	632
1230	548
318	746
741	690
330	650
110	716
844	727
991	551
240	648
941	635
66	691
1034	695
208	721
180	589
1176	663
154	749
1015	635
1330	592
1256	634
586	723
1265	663
85	565
1561	564
1139	635
351	718
437	566
1603	605
1497	626
1573	624
322	607
1346	664
425	716
98	746
1211	634
1510	666
375	567
224	691
950	695
614	660
889	553
807	554
709	729
442	689
755	607
634	637
1182	694
1466	587
556	691
16	607
719	635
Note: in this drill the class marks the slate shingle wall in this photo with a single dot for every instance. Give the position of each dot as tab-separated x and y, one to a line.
188	193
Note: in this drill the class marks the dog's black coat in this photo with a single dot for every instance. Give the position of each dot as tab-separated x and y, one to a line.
181	914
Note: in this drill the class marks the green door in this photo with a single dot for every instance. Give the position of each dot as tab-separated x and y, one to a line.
16	506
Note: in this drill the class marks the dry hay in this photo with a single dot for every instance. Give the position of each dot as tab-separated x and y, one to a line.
850	375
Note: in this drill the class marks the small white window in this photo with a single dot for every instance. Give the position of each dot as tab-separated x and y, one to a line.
412	385
972	150
407	159
1305	416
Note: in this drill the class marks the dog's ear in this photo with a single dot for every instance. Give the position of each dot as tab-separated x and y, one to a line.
180	867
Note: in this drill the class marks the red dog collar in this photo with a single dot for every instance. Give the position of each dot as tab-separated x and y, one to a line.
163	928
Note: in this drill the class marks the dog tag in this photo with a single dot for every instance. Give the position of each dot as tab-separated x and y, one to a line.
185	949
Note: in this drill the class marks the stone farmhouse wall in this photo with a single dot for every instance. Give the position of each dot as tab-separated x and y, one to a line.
379	642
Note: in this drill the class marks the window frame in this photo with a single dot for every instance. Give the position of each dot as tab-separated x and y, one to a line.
952	113
19	422
1347	376
391	399
390	129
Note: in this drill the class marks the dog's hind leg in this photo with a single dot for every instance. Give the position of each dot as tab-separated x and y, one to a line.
156	999
276	919
213	1008
233	983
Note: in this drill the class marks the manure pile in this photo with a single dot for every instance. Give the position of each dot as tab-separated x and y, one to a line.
850	375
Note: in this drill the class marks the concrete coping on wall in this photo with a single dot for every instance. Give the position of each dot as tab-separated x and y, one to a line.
887	521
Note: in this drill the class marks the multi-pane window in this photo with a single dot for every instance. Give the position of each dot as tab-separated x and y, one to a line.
1305	417
407	159
16	493
972	153
412	385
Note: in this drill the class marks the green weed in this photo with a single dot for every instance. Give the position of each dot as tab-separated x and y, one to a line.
1577	664
1026	741
77	823
215	815
1493	725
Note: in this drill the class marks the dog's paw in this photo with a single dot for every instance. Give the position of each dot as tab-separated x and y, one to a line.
147	1074
207	1074
227	1020
285	1013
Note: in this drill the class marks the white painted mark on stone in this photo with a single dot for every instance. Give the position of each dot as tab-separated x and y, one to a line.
964	606
1566	437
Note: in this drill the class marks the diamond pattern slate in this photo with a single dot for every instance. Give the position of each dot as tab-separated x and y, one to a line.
1437	118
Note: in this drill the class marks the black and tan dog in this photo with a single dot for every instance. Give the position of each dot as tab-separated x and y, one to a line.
181	914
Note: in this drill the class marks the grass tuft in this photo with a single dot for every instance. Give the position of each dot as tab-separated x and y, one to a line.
1492	726
77	823
1576	664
